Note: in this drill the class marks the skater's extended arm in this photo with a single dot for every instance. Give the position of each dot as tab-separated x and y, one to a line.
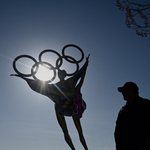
40	87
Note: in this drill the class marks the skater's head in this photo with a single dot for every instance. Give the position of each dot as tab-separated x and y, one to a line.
62	74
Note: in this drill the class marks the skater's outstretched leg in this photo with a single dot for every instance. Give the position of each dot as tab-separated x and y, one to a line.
63	125
77	123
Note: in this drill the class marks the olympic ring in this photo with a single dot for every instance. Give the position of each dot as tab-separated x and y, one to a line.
74	61
59	62
49	67
16	70
49	50
72	45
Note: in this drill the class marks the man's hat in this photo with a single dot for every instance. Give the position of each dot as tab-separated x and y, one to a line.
128	85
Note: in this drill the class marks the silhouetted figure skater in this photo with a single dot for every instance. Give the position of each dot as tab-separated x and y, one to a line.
132	130
66	94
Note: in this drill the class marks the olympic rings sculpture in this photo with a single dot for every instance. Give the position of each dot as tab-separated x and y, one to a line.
59	62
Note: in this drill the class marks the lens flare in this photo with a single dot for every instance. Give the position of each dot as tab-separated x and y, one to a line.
44	73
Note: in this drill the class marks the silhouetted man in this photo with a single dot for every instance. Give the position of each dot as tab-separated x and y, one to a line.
132	130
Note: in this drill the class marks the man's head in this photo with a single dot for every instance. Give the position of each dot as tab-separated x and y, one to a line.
129	91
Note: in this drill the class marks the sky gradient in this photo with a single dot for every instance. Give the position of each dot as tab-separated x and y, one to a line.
118	55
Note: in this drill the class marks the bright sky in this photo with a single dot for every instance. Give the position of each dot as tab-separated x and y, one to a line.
118	55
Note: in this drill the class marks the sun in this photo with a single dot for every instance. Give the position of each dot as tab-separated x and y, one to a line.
44	73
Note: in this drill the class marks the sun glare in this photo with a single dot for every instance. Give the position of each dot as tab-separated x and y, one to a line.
44	73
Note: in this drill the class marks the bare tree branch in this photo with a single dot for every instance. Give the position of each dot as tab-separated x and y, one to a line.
137	16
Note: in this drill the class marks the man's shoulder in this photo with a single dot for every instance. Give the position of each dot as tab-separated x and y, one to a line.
144	100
